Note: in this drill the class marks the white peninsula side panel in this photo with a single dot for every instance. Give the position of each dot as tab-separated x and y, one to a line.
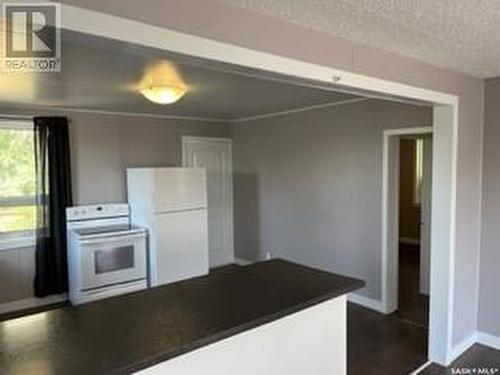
312	341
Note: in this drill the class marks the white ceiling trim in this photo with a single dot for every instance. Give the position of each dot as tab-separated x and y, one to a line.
139	114
182	118
298	110
113	113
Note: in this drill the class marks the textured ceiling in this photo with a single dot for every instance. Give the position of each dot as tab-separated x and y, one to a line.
462	35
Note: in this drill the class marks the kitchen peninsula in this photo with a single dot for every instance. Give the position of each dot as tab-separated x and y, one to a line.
274	317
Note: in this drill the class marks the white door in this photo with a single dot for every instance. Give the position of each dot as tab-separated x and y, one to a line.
215	155
425	217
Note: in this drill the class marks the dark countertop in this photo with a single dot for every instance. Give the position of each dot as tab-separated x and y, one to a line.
131	332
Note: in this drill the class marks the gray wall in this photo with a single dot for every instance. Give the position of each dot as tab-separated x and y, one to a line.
102	146
308	186
17	271
489	297
214	20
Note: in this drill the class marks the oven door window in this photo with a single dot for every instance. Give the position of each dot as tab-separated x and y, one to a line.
114	259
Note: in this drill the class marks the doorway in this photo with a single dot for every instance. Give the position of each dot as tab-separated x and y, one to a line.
415	171
407	189
215	155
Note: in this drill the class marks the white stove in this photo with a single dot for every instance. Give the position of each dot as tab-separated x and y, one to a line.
106	254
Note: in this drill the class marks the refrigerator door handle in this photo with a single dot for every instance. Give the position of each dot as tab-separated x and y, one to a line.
177	211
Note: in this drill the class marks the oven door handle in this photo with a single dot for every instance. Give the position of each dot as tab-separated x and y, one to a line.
113	237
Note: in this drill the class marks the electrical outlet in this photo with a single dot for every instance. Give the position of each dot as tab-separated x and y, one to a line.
335	79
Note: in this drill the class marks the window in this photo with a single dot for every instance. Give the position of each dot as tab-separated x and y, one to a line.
17	179
419	172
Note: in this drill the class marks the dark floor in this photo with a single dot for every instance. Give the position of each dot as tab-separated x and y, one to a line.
413	306
477	360
226	268
381	344
396	343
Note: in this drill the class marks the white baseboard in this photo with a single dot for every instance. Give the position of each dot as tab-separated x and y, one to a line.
418	370
32	302
242	262
462	347
258	256
488	340
409	240
367	302
474	338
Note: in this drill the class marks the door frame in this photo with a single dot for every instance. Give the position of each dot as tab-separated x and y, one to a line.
445	123
228	142
426	218
390	213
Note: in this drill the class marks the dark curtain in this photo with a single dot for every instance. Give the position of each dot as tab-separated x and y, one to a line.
53	180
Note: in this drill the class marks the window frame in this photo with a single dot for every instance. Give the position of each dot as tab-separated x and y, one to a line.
19	238
418	174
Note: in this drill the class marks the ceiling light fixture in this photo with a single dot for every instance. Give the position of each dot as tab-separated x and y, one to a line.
163	94
162	83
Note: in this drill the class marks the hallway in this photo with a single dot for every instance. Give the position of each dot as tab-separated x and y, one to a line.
413	306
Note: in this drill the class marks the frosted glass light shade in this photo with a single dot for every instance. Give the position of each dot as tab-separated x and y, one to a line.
163	94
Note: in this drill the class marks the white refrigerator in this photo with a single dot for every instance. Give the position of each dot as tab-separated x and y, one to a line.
172	204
